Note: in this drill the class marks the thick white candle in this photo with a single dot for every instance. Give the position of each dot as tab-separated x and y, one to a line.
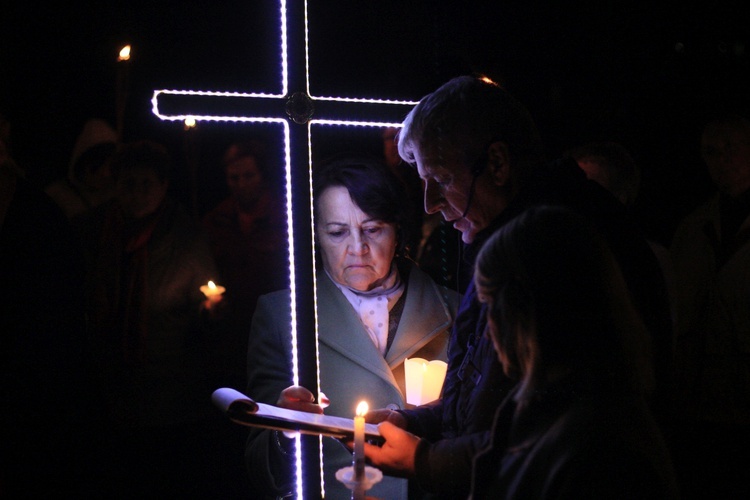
424	380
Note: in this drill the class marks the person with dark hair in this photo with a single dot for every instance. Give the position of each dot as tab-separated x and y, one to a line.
481	161
147	260
375	309
249	238
577	424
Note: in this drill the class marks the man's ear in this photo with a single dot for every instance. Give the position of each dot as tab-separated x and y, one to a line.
499	163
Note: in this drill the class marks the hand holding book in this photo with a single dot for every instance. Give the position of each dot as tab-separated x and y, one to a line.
243	410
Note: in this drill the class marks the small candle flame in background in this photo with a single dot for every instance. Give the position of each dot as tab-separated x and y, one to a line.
190	123
212	291
124	54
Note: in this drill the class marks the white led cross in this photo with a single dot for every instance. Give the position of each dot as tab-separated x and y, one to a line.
297	111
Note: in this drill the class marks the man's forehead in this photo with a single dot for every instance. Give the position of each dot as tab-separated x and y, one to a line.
436	164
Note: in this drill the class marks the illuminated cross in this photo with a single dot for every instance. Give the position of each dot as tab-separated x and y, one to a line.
297	111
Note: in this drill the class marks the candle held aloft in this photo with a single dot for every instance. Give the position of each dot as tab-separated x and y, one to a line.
212	291
122	87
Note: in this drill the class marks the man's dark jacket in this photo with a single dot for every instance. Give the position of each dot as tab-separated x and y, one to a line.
458	427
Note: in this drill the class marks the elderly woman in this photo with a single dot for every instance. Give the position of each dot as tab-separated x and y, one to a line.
375	309
577	424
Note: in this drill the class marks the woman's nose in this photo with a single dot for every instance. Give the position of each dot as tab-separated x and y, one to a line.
357	244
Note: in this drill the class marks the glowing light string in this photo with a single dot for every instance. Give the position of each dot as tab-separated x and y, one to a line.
296	110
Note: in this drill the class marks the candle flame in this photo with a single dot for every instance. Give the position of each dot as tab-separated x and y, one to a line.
124	53
362	408
212	285
424	367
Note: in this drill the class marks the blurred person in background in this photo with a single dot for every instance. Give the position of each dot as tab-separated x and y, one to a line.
147	260
89	181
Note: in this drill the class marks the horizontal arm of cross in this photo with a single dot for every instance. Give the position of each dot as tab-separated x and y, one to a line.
234	106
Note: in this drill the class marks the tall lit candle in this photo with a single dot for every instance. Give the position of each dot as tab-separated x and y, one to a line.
191	150
122	87
359	450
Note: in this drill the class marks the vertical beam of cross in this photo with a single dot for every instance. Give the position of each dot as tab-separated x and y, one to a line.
297	110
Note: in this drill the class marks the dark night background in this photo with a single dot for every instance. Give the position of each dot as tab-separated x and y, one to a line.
643	73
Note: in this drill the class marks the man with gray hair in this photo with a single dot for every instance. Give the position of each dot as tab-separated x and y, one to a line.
481	161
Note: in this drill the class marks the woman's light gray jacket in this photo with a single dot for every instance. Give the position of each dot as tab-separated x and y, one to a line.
351	370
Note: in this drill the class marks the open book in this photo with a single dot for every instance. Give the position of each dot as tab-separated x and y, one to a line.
243	410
